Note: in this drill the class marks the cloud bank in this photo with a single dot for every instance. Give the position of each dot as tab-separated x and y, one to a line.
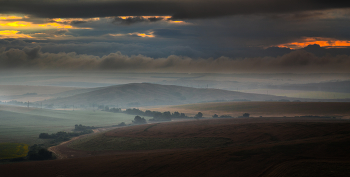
179	9
298	61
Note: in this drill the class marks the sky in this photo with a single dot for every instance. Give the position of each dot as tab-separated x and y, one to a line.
180	36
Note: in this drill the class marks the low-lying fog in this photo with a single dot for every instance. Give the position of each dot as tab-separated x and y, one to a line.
38	86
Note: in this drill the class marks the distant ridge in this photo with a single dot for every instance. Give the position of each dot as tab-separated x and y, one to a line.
147	94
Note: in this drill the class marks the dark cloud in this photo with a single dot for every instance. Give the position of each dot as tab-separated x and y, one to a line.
155	19
130	20
297	61
171	33
137	19
32	53
179	9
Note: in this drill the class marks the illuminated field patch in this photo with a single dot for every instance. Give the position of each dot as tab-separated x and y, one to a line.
13	150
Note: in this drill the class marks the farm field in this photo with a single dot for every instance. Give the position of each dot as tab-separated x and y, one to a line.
266	109
257	147
23	125
13	150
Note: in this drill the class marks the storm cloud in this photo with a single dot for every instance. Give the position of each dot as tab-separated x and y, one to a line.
138	19
178	9
298	61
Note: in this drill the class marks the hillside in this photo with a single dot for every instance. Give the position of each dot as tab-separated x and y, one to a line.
212	147
146	94
256	109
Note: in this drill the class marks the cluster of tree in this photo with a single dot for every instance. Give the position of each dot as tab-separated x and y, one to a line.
134	111
122	124
198	115
155	114
83	128
115	110
64	136
37	152
222	116
139	120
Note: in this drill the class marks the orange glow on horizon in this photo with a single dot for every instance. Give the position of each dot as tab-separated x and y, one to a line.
322	42
146	17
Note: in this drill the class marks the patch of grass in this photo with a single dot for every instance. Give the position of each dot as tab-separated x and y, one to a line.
23	125
13	150
102	143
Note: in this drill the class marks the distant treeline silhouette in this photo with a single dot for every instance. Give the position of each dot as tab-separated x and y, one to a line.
64	136
157	116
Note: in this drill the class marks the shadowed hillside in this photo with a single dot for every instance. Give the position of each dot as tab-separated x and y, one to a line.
145	94
247	147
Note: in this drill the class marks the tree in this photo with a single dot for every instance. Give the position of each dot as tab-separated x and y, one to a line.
199	115
122	124
166	115
176	114
215	116
44	136
139	120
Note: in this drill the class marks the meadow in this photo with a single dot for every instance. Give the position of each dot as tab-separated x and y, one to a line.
264	108
13	150
23	125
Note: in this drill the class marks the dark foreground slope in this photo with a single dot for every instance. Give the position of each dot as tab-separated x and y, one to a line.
257	147
145	94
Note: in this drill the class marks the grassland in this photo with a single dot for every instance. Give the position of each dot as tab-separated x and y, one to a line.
275	109
23	125
13	150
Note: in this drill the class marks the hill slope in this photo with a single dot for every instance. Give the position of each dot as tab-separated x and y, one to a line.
258	147
146	94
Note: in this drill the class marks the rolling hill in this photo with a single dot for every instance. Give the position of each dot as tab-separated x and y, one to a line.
246	147
146	94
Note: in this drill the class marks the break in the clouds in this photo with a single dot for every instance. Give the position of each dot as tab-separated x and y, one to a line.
179	9
297	61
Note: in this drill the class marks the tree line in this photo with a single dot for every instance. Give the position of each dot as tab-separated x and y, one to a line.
157	116
64	136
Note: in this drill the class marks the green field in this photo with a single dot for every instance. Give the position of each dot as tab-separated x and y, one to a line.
23	125
13	150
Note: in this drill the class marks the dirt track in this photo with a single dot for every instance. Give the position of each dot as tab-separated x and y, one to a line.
62	151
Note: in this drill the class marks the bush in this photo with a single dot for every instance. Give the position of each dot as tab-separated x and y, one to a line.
36	152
